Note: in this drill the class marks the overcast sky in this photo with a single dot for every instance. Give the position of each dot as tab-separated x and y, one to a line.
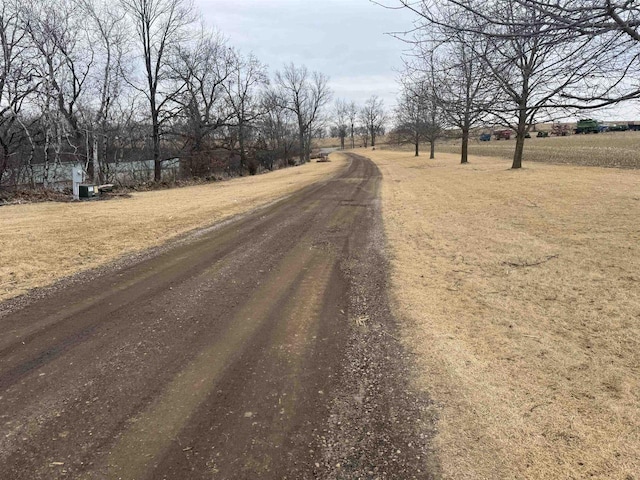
345	39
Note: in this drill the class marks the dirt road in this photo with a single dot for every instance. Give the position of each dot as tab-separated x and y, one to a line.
261	348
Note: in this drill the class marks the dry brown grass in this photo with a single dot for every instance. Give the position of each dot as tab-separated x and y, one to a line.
520	292
612	149
41	243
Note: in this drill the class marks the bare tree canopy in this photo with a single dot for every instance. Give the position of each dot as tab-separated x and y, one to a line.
341	120
419	113
160	24
305	94
373	117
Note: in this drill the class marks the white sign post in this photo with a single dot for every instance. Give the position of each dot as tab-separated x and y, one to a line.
77	177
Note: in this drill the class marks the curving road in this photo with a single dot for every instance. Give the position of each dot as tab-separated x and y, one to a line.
260	348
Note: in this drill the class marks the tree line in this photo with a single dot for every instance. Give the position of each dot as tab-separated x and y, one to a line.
100	83
512	63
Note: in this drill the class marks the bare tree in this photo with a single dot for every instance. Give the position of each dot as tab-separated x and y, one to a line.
243	94
352	116
373	117
418	114
65	59
341	119
616	26
465	91
363	132
160	25
200	71
305	94
278	127
107	35
18	80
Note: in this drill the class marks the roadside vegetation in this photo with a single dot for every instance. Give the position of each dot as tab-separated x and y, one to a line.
139	91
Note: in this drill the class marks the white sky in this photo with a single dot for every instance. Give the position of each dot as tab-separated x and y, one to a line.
345	39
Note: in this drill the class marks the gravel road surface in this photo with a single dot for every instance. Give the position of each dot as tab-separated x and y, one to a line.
261	348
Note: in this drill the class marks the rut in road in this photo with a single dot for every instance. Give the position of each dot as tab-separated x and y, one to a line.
263	348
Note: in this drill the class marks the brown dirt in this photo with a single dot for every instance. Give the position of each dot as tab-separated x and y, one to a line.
519	295
263	348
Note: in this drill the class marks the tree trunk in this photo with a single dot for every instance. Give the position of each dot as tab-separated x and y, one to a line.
517	155
307	146
302	145
520	133
432	153
243	153
157	164
417	146
96	162
465	146
5	161
105	146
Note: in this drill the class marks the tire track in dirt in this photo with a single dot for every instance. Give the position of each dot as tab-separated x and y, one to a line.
260	349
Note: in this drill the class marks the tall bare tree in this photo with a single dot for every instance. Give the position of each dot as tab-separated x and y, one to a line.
200	70
106	25
373	117
418	114
341	119
243	94
65	57
160	25
305	94
352	116
278	127
18	80
466	91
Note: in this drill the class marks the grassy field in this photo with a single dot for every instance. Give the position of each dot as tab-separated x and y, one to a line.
519	293
612	149
43	242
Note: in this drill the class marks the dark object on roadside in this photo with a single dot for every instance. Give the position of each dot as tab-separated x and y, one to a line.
618	128
527	135
542	134
485	137
87	191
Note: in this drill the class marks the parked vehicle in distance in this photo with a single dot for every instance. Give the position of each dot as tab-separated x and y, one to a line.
588	125
485	137
619	127
502	134
542	134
